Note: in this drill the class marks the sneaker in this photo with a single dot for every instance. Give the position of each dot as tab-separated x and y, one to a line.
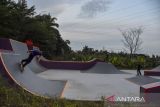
21	67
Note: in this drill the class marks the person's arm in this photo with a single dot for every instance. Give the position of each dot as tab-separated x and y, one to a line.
29	51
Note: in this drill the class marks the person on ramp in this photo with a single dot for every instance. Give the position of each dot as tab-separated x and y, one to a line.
139	67
32	53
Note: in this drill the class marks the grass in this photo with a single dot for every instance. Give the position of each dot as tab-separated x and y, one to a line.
13	96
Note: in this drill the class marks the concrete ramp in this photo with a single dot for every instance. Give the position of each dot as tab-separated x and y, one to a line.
103	68
93	66
28	80
142	80
19	47
153	72
68	65
151	93
36	67
22	49
157	68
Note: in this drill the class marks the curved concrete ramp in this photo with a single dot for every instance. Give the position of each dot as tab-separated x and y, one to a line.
21	48
103	68
36	67
93	66
28	80
68	65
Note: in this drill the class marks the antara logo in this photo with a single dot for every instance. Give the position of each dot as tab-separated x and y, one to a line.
125	99
111	98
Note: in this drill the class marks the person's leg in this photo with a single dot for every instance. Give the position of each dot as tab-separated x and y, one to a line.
25	63
140	72
137	72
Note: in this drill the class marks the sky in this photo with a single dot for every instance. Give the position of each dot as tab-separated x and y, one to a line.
96	23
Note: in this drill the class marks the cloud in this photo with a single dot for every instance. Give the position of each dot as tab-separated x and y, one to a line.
93	8
54	7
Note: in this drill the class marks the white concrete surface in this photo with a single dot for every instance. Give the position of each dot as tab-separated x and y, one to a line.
89	86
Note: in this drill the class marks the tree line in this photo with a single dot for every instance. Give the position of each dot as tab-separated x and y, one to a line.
122	60
19	22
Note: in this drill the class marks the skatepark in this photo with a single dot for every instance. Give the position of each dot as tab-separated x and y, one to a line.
90	80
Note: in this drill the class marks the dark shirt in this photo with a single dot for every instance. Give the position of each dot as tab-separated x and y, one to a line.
34	53
139	67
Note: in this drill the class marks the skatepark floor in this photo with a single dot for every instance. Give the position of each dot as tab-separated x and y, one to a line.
89	86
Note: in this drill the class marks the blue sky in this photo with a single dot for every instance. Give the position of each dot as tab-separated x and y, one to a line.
96	22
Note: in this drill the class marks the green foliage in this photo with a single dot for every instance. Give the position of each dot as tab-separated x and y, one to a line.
121	60
19	22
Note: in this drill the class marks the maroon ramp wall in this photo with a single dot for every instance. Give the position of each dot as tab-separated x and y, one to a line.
71	65
151	73
5	45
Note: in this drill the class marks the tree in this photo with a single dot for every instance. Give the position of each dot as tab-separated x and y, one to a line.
19	22
5	17
14	17
52	41
132	40
87	50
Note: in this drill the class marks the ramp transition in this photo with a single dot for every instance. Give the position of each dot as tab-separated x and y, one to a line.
28	80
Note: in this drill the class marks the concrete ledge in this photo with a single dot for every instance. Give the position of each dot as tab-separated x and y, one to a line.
151	88
151	93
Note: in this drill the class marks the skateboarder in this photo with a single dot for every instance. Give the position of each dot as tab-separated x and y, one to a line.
29	44
32	54
139	69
